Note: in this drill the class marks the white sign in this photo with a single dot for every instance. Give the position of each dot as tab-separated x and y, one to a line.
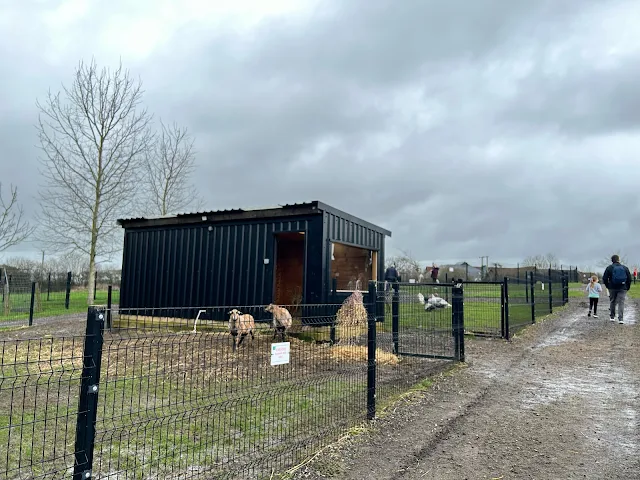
412	280
451	269
280	353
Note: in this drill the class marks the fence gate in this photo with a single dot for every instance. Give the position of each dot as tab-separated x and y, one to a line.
423	320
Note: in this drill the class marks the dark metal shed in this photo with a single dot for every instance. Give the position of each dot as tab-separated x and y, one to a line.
285	255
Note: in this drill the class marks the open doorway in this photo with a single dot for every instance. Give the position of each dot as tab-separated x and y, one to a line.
289	268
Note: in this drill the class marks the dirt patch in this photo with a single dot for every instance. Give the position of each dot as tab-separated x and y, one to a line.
559	401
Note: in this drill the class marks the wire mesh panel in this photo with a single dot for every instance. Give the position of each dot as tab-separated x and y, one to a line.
519	304
414	336
557	292
39	389
26	297
177	401
15	296
543	304
423	319
483	308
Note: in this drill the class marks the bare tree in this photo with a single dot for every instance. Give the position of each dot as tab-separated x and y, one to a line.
406	265
605	262
549	260
168	167
14	229
94	139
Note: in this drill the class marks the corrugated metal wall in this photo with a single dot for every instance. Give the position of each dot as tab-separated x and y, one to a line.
186	266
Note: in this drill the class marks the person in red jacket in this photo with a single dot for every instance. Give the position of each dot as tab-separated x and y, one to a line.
434	273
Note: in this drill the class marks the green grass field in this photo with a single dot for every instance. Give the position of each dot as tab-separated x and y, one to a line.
18	305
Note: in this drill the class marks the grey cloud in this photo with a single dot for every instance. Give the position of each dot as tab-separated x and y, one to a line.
584	101
489	174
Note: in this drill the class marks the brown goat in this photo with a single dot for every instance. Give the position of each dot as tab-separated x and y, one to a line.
281	319
240	323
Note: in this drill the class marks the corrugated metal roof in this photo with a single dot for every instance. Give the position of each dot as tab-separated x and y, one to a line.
219	212
313	207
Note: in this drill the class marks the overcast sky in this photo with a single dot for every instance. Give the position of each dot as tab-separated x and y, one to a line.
489	127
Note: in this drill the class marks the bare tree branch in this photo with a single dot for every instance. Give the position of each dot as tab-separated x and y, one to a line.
605	262
14	229
168	167
549	260
406	265
94	136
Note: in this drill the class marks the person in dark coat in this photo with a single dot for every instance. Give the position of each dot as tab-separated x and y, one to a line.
617	278
391	274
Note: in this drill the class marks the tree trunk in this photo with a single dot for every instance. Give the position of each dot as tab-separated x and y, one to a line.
92	272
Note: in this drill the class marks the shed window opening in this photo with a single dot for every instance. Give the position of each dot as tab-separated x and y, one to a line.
352	267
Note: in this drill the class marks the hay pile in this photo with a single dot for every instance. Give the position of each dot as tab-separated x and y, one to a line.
358	354
351	319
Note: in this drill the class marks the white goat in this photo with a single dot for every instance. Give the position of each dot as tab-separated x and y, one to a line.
433	302
281	319
240	323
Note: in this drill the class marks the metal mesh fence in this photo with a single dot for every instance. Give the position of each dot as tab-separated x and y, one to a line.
25	299
483	308
39	389
543	302
415	335
205	393
519	306
200	409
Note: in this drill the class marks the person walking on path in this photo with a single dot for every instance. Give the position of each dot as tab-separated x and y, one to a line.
594	290
434	273
617	279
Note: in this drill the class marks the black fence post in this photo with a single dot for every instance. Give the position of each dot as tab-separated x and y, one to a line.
505	308
466	272
371	353
68	293
48	286
395	318
550	296
95	284
88	402
532	286
109	306
503	333
33	299
334	300
457	319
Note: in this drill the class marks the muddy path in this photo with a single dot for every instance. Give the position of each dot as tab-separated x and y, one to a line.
561	401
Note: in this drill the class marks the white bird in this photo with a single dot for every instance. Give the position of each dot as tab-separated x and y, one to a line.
433	302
